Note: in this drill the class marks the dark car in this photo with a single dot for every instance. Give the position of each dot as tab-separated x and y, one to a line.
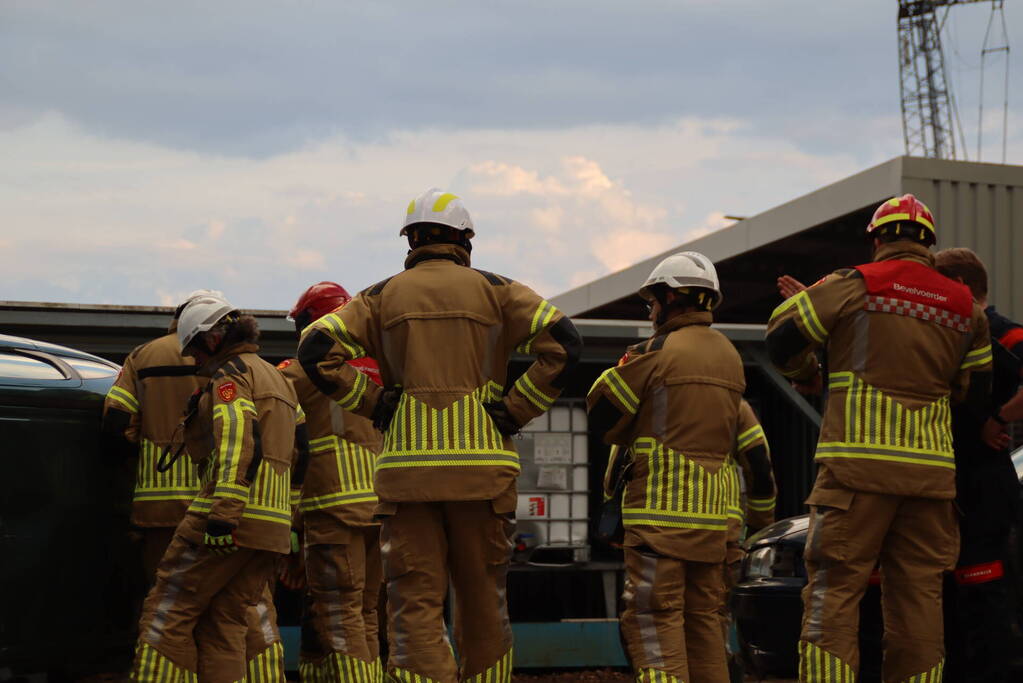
767	606
66	569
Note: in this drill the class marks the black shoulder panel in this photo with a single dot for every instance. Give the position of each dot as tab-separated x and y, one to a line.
167	371
376	289
785	342
493	278
564	333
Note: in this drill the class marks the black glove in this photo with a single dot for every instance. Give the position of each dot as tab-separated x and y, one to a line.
218	538
503	419
387	403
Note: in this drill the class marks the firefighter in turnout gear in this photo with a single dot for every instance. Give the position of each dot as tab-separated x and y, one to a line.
903	342
979	607
140	417
341	539
442	334
675	405
244	431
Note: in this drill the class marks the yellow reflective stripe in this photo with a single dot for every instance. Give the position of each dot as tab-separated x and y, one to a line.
225	489
499	672
674	519
761	504
977	357
899	454
124	397
263	513
542	317
443	201
353	398
336	330
839	380
411	208
448	458
330	500
528	389
620	389
808	314
299	414
323	443
749	436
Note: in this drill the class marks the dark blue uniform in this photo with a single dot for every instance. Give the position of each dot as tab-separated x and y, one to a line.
978	605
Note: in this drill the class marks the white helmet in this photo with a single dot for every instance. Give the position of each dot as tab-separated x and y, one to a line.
195	295
438	206
200	315
686	269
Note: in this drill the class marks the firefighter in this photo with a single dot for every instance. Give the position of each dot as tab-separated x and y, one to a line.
244	429
140	416
675	405
442	333
902	342
979	614
341	540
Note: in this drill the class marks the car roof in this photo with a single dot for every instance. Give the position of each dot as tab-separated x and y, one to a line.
8	341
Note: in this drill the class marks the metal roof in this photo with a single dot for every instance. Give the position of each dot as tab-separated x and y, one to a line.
976	205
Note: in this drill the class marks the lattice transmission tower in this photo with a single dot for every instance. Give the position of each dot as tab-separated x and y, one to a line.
930	119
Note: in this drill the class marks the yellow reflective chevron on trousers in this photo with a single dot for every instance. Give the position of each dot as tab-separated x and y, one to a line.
879	428
820	666
397	675
339	668
267	666
656	676
152	667
355	465
933	676
679	492
500	672
180	482
460	435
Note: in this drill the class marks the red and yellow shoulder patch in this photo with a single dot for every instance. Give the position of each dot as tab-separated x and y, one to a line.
283	364
227	392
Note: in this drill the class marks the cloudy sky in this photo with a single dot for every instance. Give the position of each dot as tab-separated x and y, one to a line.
150	148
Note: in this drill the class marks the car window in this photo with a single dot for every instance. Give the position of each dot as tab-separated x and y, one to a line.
90	369
15	366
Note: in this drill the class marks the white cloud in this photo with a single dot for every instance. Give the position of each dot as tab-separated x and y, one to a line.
124	222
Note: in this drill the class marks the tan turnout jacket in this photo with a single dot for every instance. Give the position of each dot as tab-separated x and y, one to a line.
902	342
338	486
444	332
244	435
674	404
145	405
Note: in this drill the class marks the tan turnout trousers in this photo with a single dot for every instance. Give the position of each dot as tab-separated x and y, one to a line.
914	539
204	614
341	629
424	543
671	608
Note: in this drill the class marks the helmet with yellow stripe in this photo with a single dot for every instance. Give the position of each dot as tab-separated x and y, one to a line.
439	208
903	217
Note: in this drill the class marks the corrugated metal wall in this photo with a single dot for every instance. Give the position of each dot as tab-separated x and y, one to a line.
987	216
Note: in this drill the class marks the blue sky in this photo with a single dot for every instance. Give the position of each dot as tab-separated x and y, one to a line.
150	148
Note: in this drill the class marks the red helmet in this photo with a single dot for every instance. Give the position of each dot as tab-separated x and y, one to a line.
904	209
319	300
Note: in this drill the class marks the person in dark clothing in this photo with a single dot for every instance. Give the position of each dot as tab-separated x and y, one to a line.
978	608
